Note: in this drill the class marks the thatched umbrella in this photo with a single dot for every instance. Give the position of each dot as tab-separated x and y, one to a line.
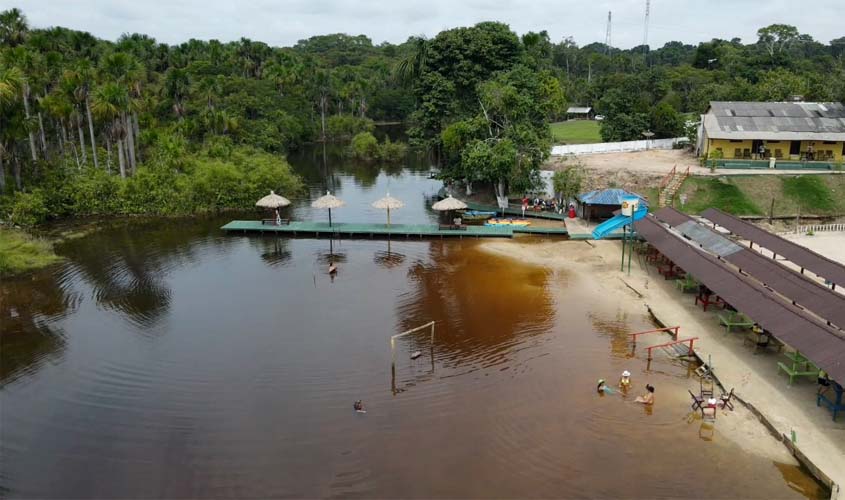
387	203
330	202
273	202
449	204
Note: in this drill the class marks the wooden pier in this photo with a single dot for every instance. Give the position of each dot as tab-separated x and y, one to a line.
350	230
517	211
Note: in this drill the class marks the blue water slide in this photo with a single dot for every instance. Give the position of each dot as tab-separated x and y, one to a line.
617	222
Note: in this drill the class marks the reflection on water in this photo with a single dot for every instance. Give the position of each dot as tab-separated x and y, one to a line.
617	329
797	479
388	259
484	306
274	251
127	264
185	363
29	308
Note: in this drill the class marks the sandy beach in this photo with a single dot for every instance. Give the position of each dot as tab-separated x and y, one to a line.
594	266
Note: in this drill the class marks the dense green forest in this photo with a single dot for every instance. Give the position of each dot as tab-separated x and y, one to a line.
90	126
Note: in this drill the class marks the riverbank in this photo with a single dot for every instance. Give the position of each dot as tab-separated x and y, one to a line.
753	377
21	252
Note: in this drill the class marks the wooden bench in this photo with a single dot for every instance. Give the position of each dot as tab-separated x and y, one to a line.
274	222
735	319
793	372
452	227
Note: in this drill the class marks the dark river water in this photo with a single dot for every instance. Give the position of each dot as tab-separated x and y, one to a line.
164	359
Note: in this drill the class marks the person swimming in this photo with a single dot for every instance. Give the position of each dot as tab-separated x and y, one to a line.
625	380
603	388
648	397
359	406
332	268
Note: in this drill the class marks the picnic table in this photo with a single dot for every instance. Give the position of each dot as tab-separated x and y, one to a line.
835	404
762	338
687	283
654	256
705	297
733	319
670	271
799	366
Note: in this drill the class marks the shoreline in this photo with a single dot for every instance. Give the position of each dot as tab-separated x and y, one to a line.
819	457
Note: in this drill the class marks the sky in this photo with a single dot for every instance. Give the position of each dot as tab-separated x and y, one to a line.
284	22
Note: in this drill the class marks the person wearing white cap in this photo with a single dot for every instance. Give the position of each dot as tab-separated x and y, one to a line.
625	381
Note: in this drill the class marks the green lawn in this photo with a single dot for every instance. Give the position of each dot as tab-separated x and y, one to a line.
810	192
757	194
703	193
576	132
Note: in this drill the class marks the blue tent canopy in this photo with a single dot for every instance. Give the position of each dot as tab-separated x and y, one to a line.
608	197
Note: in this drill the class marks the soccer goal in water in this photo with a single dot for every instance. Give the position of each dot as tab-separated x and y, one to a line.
413	355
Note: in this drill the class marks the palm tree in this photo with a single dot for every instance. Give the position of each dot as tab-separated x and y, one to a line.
110	103
176	85
24	60
209	88
13	28
58	106
414	64
11	83
124	69
82	77
284	73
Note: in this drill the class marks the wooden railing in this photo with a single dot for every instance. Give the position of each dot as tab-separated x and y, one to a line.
668	177
673	330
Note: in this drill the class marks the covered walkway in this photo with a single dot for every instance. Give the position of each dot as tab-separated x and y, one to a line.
824	345
799	288
801	256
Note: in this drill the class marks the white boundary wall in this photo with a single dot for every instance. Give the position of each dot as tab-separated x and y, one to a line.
616	147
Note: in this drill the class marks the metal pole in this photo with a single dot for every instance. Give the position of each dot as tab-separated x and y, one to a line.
330	217
624	234
631	246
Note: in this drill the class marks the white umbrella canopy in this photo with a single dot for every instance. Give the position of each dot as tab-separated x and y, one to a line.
449	203
328	201
387	203
272	200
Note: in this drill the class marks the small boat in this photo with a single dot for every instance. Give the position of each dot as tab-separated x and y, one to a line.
477	215
416	354
508	222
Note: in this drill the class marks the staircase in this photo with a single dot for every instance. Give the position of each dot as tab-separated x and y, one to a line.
670	185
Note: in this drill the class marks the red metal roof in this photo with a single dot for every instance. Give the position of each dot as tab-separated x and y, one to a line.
822	344
802	256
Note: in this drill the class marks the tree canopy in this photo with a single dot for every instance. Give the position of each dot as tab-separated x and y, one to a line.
479	97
